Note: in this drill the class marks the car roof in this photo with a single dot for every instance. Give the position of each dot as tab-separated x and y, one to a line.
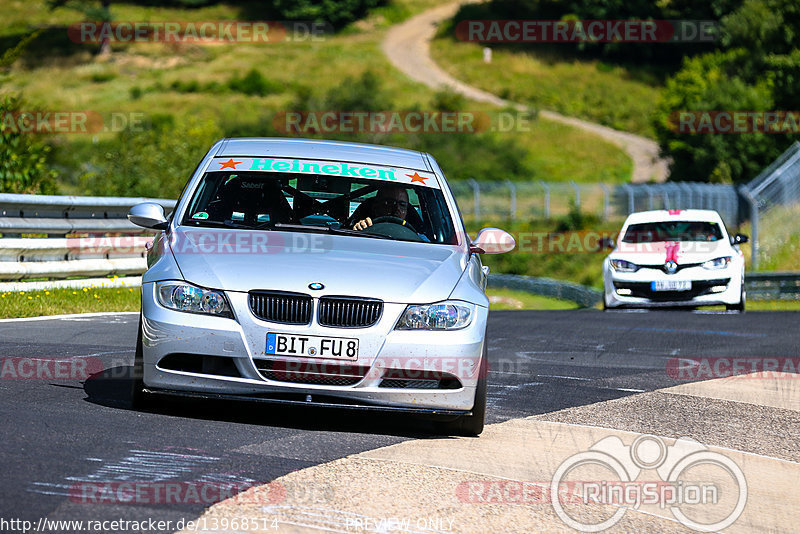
672	215
323	150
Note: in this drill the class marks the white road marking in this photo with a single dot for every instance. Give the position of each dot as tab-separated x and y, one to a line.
71	316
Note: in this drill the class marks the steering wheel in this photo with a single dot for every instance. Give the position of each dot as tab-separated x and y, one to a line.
393	220
394	227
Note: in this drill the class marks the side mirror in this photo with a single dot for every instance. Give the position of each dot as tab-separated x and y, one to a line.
606	243
148	215
739	239
492	241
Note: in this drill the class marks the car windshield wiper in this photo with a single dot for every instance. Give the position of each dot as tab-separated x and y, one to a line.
288	227
224	224
326	229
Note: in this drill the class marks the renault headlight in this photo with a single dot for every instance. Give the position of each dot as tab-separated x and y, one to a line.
439	316
717	263
624	266
192	299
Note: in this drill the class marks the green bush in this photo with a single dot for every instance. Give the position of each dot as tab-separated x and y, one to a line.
253	83
24	166
156	161
338	13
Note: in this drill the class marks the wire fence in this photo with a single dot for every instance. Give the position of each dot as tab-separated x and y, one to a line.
770	203
527	200
774	206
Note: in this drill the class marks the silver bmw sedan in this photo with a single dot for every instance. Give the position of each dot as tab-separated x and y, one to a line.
323	273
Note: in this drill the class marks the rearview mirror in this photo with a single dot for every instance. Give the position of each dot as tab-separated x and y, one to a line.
493	241
739	239
606	243
148	215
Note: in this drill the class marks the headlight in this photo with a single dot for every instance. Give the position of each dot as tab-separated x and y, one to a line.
717	263
624	266
188	298
439	316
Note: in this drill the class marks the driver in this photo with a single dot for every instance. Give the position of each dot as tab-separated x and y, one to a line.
391	201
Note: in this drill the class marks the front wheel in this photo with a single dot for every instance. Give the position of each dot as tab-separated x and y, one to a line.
739	306
139	399
472	425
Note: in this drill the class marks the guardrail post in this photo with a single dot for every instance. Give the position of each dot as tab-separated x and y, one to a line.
631	198
754	224
546	198
476	195
512	209
577	189
606	201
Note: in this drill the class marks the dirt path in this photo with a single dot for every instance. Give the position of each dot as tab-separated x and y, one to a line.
407	46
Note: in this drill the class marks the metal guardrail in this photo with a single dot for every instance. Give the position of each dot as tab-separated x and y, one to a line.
760	286
547	287
773	285
62	215
60	257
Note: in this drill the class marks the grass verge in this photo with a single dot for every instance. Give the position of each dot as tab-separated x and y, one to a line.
509	299
93	300
63	301
585	88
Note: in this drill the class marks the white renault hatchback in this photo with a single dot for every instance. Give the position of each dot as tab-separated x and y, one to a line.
296	271
675	258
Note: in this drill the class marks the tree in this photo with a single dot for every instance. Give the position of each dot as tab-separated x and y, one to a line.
97	11
757	69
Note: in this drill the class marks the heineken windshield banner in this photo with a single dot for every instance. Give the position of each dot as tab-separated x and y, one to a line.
329	168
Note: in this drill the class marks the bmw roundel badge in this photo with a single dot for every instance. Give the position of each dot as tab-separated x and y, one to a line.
315	286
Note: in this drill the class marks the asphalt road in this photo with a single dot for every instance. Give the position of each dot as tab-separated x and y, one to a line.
62	435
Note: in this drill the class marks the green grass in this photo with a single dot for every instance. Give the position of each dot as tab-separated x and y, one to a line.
509	299
542	78
139	78
62	301
584	267
779	240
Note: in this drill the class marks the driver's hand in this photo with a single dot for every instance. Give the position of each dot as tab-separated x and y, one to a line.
362	224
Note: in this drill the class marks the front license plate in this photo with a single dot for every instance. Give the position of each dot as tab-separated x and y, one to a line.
340	348
671	285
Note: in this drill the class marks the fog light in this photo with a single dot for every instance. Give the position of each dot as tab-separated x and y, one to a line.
718	289
623	291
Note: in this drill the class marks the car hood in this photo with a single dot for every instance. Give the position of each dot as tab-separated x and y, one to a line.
681	252
393	271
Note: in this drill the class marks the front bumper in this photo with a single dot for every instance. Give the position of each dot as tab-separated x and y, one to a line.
240	344
634	289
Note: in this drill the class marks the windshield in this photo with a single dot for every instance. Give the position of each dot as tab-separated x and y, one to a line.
673	231
317	202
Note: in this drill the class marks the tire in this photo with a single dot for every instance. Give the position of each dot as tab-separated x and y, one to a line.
739	306
472	425
139	399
